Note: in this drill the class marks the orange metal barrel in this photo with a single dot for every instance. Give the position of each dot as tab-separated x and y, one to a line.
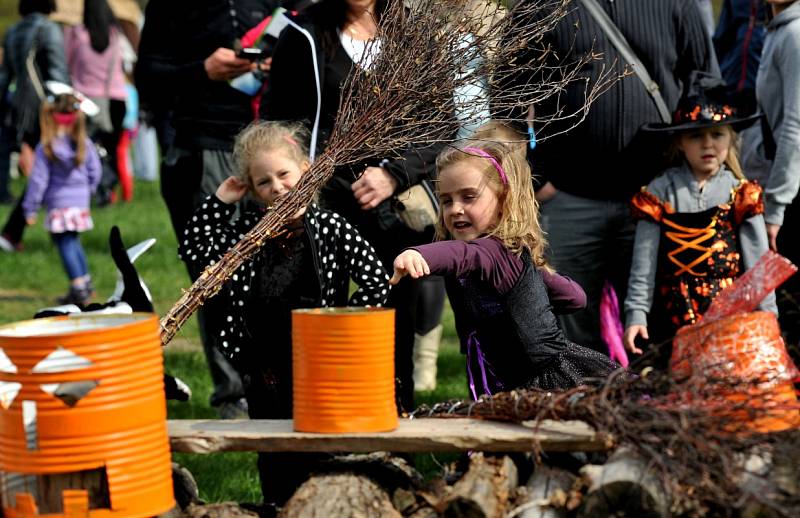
343	365
82	407
741	365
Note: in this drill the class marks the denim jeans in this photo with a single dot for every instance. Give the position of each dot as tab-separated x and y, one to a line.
590	241
72	256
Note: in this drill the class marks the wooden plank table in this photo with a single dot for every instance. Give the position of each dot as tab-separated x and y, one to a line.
412	435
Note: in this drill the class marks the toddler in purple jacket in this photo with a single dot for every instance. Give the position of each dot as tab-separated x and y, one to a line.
66	171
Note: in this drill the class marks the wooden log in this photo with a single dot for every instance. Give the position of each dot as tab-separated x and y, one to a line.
184	487
764	475
341	495
625	484
484	490
547	493
412	435
220	510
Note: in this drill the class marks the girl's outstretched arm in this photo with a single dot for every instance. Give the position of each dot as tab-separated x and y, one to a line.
486	257
409	262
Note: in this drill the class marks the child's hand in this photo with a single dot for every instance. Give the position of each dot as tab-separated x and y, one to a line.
630	337
410	263
231	190
31	220
772	236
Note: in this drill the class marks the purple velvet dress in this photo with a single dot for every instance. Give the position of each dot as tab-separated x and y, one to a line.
505	318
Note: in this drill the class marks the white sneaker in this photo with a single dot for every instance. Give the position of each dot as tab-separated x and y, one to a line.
6	245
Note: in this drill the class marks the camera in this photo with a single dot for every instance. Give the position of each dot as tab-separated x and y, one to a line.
250	53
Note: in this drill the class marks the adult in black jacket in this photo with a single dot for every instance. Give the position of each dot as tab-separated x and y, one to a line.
588	175
186	58
34	33
329	34
36	37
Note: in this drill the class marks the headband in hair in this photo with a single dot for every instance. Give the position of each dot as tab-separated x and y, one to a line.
290	140
490	158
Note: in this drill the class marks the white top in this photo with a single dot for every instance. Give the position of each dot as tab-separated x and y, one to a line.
357	49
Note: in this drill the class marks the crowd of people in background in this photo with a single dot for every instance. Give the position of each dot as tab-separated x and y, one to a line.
597	202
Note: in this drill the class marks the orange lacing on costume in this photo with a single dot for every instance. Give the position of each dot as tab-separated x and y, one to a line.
646	205
748	201
690	239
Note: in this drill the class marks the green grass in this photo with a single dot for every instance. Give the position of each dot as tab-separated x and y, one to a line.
34	278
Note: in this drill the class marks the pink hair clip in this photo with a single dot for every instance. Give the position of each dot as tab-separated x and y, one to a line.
490	158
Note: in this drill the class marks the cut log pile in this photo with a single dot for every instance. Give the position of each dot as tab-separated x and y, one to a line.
384	485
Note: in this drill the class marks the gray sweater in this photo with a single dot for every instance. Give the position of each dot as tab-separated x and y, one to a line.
778	93
678	187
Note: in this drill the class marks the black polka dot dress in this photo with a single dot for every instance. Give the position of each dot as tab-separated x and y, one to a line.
338	251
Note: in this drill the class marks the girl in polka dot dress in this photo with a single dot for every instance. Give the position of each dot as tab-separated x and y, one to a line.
310	265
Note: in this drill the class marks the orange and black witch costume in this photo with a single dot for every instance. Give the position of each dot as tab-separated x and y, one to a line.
698	254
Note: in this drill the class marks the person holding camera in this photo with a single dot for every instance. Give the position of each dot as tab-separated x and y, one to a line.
187	55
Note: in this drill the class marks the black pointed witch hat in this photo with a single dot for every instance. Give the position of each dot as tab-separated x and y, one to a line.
705	103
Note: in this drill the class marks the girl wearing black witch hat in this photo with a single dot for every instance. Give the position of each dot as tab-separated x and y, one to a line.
701	222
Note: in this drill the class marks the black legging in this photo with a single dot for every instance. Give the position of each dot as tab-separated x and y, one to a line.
14	228
430	304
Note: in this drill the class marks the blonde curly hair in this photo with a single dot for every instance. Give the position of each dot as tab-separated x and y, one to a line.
263	136
518	227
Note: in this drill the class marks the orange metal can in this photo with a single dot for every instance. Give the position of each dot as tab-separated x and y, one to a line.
343	370
741	365
83	418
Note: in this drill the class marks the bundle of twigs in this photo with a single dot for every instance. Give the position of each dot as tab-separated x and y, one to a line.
428	51
699	439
